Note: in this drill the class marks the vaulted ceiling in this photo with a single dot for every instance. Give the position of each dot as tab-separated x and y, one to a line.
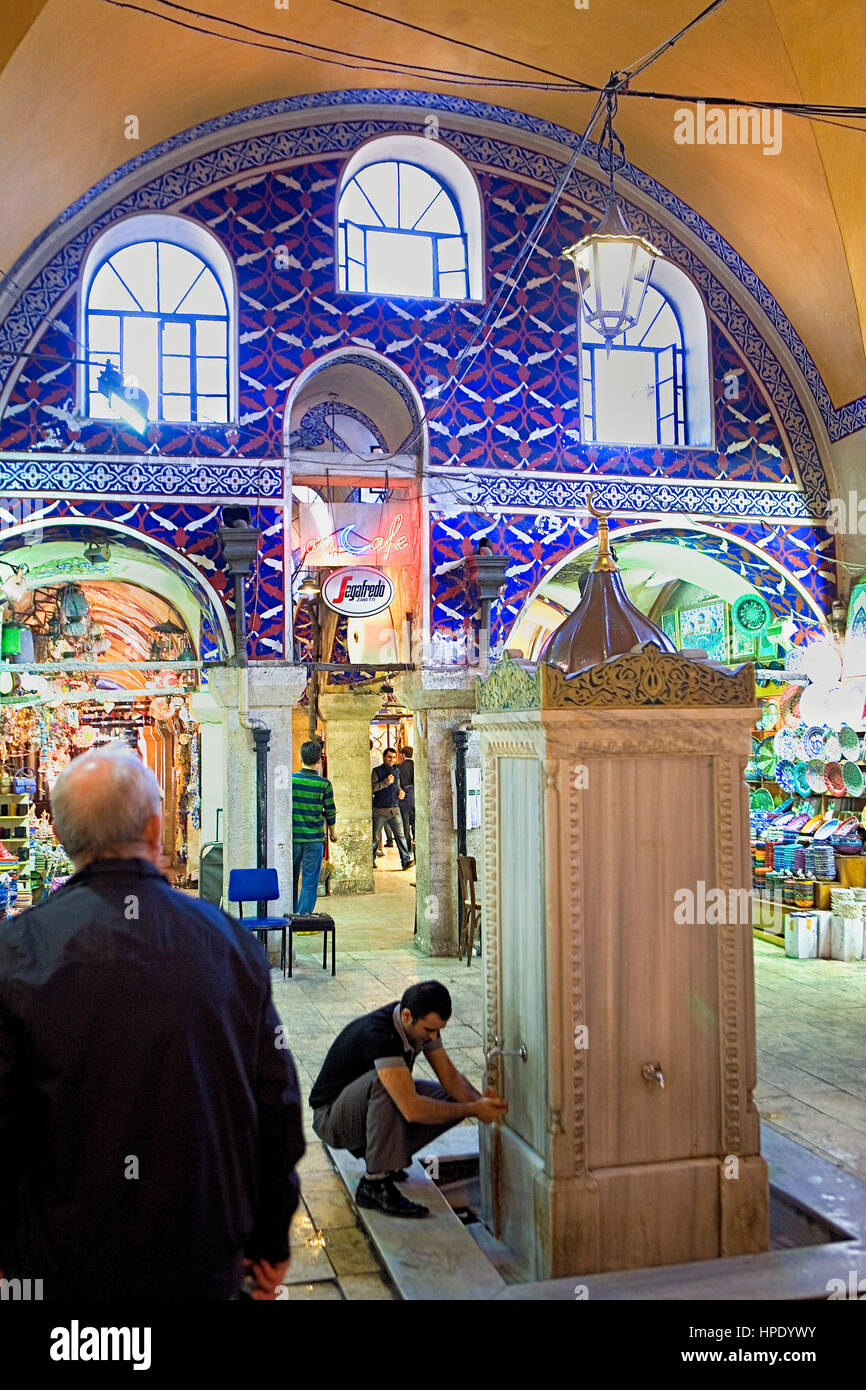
73	72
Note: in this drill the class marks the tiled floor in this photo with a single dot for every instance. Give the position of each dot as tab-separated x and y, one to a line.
811	1031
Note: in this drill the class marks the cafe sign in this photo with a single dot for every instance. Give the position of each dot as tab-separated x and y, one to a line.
359	533
358	592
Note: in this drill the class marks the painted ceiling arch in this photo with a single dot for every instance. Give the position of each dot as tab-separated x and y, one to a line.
751	49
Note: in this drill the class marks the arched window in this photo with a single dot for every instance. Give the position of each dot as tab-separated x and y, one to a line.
400	234
409	222
160	311
635	393
654	385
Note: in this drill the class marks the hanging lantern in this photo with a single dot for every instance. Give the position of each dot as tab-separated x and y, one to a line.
612	264
613	268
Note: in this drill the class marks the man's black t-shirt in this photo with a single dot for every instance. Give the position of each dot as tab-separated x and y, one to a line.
361	1046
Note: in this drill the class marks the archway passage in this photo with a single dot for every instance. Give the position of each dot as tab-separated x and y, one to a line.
101	640
790	566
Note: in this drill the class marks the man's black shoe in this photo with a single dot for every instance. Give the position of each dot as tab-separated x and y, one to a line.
381	1195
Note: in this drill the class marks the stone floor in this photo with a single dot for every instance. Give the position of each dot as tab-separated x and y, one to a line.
811	1030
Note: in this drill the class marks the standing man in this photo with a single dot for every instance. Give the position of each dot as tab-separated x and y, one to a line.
149	1111
365	1099
387	794
313	810
406	775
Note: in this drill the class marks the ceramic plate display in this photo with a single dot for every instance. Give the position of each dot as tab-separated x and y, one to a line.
765	758
798	749
852	776
849	742
813	741
801	780
832	746
794	661
798	822
815	775
827	829
812	825
760	800
812	705
782	822
833	778
770	715
783	744
789	705
785	775
848	826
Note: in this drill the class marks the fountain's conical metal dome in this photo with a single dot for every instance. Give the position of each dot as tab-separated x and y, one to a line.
605	623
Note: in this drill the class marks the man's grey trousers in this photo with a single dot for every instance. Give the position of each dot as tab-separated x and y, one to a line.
365	1119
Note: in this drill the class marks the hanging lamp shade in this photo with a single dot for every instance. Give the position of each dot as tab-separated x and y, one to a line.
605	623
613	268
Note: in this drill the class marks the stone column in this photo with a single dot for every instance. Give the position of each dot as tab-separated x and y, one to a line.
437	713
274	688
346	717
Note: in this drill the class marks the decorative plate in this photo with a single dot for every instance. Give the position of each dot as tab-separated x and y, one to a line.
833	778
785	775
848	826
760	800
812	825
797	746
798	822
852	776
765	758
812	703
832	746
815	775
770	714
801	779
789	705
783	744
849	742
827	829
813	741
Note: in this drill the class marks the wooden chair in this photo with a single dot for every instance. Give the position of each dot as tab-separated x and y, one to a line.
467	877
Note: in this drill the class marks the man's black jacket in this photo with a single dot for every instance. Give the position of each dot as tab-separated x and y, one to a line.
150	1114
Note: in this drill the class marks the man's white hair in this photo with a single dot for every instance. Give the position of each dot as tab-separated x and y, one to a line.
104	799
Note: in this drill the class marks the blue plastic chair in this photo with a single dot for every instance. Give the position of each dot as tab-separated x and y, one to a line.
259	886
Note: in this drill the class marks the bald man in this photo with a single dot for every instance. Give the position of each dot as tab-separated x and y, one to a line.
149	1111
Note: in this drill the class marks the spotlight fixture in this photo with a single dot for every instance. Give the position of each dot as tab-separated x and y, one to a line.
126	400
97	552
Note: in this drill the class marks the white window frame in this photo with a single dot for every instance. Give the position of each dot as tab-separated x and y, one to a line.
460	182
192	236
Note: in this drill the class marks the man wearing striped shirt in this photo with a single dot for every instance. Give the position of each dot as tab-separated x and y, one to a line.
312	810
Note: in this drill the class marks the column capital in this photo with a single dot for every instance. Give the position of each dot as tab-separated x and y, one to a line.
459	698
349	706
270	684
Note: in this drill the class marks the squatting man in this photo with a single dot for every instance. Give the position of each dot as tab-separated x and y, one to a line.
365	1099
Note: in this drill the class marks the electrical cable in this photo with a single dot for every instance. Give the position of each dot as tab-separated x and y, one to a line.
462	43
368	63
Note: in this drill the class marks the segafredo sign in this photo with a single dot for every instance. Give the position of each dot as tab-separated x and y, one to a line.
358	592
